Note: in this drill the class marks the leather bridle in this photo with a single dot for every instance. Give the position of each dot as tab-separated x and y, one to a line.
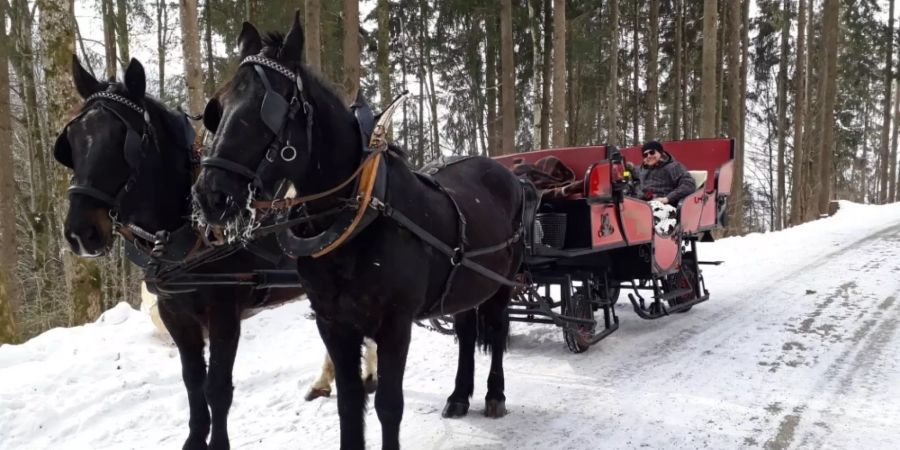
135	143
277	113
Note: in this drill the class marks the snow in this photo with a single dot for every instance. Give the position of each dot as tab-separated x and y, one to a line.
795	349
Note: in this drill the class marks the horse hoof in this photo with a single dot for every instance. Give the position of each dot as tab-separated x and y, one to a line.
495	408
371	384
194	443
455	409
315	393
219	444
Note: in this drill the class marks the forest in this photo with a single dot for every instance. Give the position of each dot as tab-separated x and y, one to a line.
805	87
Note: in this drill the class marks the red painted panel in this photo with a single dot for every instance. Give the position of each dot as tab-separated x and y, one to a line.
708	217
599	182
691	210
637	221
724	178
605	226
665	254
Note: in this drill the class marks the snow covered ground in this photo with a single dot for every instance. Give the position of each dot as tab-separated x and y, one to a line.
797	348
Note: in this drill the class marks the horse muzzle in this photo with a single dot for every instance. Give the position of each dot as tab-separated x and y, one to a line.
219	199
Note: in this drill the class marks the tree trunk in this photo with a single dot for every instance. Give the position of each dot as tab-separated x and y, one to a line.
420	74
432	97
830	27
780	205
534	26
383	62
40	214
57	28
473	44
546	74
559	73
886	105
351	50
251	10
210	56
508	77
313	18
892	158
122	33
653	71
613	94
162	24
736	202
678	84
745	66
490	49
721	43
109	36
799	118
10	298
190	44
635	88
708	82
860	166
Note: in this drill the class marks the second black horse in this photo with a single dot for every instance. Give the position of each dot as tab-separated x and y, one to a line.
276	121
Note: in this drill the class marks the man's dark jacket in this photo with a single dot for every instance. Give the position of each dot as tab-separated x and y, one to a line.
668	178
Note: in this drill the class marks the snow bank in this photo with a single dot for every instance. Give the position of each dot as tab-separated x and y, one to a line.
720	376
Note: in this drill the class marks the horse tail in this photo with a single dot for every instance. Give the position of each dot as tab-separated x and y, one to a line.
492	322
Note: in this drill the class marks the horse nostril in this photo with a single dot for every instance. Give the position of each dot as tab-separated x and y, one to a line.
92	234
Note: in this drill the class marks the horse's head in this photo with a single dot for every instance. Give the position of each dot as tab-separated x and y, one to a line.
114	150
273	121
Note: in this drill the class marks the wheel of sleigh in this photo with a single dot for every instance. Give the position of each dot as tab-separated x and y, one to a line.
578	337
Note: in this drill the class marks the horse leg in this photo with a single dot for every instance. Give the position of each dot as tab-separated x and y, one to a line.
494	330
187	333
224	333
370	369
393	340
322	386
458	402
343	344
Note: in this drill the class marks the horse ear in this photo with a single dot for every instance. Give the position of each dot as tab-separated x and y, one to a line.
85	83
292	50
249	42
135	79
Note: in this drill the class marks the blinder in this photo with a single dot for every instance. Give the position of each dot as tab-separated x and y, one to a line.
274	109
212	114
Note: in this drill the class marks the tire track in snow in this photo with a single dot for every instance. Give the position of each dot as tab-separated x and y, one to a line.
726	320
868	334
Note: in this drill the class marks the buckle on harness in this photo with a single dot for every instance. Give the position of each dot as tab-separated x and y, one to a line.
457	257
376	204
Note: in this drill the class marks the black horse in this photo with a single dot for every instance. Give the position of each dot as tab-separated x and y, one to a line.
277	121
133	170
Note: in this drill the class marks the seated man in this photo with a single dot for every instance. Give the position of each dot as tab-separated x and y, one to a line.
661	177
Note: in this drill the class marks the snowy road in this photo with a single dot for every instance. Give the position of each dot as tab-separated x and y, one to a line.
797	348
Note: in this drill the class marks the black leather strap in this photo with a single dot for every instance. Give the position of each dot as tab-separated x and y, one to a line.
231	166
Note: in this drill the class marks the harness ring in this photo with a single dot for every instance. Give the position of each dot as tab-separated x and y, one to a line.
288	150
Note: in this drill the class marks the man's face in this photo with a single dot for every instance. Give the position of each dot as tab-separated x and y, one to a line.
651	157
